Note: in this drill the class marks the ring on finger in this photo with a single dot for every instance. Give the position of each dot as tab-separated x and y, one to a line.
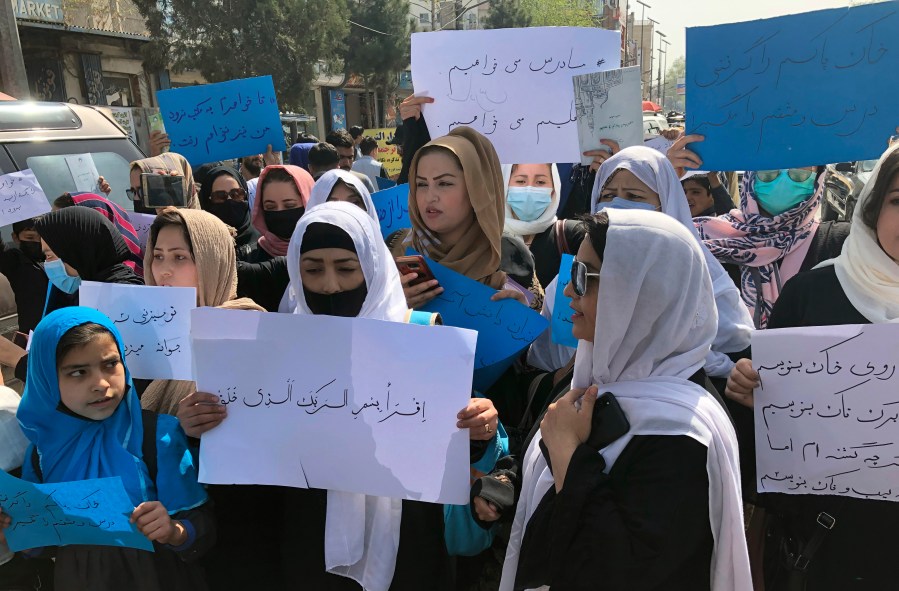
487	428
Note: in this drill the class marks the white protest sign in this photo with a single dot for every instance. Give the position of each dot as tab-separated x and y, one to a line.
346	404
827	411
154	322
21	197
659	143
84	172
124	117
608	106
512	85
141	223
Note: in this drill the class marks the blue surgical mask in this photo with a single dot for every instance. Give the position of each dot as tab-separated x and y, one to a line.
620	203
529	203
56	273
783	193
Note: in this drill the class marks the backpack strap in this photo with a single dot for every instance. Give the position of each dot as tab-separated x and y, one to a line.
148	447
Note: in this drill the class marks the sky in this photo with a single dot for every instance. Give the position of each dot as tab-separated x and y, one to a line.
674	16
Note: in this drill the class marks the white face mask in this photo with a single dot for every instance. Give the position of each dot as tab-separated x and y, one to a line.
529	203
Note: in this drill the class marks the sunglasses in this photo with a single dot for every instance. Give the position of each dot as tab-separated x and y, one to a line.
135	194
579	276
233	194
800	175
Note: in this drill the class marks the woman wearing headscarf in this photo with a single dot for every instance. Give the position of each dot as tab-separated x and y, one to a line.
860	286
224	195
657	507
457	207
167	163
775	233
190	248
340	185
532	200
116	215
280	202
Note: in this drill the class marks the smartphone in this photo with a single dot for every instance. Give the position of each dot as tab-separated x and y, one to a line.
162	190
414	264
609	424
156	124
21	339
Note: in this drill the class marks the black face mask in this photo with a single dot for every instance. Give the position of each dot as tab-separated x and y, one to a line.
233	213
32	250
282	223
343	303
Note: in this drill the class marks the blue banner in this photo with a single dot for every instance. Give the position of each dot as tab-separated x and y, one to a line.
95	512
338	109
384	183
392	206
222	121
799	90
505	327
561	323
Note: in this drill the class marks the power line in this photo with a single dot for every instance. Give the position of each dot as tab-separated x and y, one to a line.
372	30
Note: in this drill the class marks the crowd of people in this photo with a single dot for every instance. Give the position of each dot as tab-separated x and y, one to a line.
649	488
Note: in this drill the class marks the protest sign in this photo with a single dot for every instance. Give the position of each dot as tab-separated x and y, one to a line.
124	117
154	323
141	223
222	121
366	407
84	172
512	85
388	155
608	106
21	197
95	512
392	206
561	322
505	327
792	91
827	411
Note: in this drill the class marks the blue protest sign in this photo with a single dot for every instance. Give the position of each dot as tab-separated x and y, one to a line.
793	91
384	183
561	322
504	327
93	512
225	120
392	206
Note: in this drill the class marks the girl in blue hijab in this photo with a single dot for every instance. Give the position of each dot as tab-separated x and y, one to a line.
83	418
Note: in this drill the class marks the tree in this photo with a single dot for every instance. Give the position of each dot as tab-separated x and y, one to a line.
287	39
561	13
507	14
675	71
379	50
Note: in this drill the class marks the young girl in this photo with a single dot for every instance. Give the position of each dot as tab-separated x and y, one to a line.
84	421
280	202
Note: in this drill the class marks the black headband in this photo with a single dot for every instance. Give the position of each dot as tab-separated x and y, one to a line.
322	235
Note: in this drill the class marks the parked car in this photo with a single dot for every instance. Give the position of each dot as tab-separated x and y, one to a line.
675	119
843	182
39	136
653	124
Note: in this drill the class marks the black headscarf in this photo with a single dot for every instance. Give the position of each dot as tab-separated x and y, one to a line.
229	212
88	242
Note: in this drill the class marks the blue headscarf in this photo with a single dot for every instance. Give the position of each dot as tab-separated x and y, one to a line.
73	448
299	155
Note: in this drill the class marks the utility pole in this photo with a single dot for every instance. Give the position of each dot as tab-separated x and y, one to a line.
627	28
659	86
642	33
651	57
12	64
664	87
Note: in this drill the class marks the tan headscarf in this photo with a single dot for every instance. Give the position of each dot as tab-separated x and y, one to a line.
214	255
477	254
168	162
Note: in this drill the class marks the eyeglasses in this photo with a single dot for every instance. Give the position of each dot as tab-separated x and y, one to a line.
135	194
579	276
233	194
800	175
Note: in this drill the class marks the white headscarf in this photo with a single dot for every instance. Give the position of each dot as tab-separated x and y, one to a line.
362	533
867	274
518	227
656	320
325	184
655	171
